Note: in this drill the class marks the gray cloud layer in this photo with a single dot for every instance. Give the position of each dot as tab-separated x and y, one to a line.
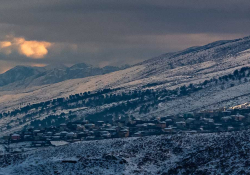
117	31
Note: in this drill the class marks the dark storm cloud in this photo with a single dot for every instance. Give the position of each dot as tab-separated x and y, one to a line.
117	31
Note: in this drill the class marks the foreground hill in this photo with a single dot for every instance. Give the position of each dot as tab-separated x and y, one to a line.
223	153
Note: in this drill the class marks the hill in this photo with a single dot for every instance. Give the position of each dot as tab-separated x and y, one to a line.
191	80
21	77
222	153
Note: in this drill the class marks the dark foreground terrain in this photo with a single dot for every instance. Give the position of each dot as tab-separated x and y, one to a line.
222	153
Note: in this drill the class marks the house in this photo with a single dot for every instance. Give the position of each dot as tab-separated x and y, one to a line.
138	134
112	131
169	121
169	116
40	134
80	127
181	124
190	120
105	134
132	122
85	122
90	138
230	128
144	125
36	131
71	135
226	118
89	126
211	121
168	130
124	133
49	133
208	121
161	125
63	126
151	125
218	127
57	134
63	133
15	137
238	117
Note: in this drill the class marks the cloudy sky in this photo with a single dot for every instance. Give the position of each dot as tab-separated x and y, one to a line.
112	32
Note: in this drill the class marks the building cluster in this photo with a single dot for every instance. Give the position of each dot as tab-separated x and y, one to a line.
220	120
85	130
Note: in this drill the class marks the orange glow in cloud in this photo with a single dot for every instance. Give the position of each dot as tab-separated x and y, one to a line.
5	44
5	47
33	49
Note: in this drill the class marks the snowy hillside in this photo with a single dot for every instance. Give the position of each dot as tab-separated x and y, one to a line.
223	153
21	77
165	73
170	70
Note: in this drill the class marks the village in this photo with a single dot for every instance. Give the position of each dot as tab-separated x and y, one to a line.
220	120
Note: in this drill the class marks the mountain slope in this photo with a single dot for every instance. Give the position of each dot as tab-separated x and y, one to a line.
167	71
213	62
17	73
22	76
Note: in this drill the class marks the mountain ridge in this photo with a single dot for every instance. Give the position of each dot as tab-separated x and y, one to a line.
173	70
28	76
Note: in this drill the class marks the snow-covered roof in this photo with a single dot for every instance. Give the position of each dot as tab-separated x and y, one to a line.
16	135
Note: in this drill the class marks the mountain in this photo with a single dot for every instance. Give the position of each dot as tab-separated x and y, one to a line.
168	70
221	153
24	76
191	80
16	74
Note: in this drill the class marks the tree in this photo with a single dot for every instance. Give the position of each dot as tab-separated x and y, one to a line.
183	90
236	73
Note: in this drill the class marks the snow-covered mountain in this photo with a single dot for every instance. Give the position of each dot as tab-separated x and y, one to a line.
21	77
169	71
222	153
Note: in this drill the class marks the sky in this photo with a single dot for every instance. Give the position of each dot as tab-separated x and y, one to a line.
112	32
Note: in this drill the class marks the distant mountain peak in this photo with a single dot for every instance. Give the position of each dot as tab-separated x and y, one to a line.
27	76
55	66
81	66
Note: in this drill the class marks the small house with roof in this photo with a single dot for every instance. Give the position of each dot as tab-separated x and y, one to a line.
15	137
